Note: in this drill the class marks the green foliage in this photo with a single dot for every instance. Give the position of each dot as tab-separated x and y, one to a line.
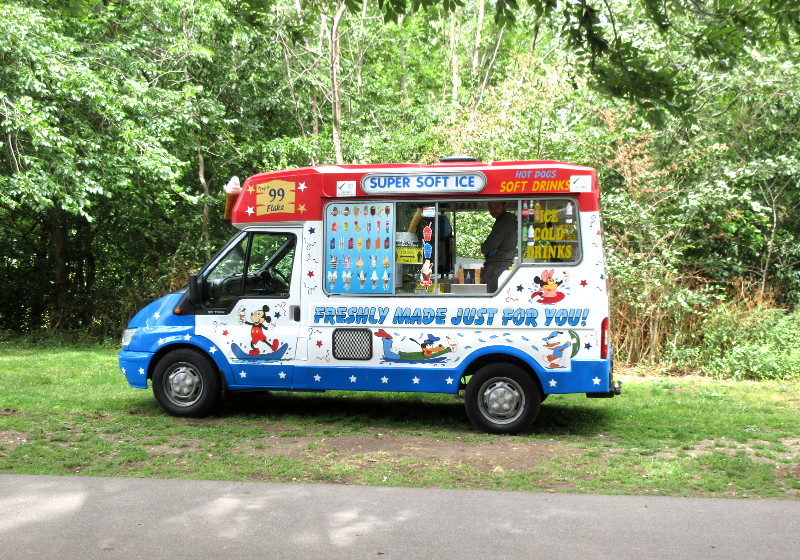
120	122
759	343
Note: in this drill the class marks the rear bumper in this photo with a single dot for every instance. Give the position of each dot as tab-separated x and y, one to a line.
615	390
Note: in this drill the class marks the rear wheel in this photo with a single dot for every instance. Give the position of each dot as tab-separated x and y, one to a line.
502	399
185	383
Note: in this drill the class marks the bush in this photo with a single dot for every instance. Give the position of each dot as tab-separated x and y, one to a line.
739	342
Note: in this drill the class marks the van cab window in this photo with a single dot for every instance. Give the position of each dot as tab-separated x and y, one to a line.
257	265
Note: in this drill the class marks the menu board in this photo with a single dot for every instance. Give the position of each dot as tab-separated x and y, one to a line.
359	241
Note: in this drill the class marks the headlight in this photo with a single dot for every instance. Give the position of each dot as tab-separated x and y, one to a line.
127	336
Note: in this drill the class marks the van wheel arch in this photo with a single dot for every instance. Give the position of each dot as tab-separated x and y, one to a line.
500	358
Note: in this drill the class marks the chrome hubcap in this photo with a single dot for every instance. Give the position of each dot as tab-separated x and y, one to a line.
502	400
183	384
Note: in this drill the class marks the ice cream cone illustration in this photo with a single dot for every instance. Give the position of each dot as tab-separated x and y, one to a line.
346	278
232	191
362	278
332	275
425	274
385	279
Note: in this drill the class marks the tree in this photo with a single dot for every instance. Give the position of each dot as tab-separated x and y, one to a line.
625	65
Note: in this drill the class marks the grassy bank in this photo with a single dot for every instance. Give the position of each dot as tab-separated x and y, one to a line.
68	411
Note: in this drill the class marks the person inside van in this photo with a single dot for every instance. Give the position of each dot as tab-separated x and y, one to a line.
500	246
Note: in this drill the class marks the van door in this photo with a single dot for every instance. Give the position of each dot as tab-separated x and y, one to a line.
251	306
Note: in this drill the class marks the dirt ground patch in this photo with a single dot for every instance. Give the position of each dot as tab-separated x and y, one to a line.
508	454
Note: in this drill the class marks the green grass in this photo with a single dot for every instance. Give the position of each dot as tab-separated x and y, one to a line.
66	410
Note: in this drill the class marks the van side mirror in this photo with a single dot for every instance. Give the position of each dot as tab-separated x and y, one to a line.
195	293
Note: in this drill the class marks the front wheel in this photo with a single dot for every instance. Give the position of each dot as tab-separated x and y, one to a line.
186	384
502	399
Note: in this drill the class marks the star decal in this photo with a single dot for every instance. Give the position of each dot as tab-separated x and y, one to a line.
384	379
520	288
250	210
282	375
311	274
312	231
224	333
587	346
584	283
251	189
319	344
213	349
415	380
317	378
302	187
449	380
160	341
553	383
141	371
596	381
157	315
278	315
353	379
302	208
187	337
243	374
123	371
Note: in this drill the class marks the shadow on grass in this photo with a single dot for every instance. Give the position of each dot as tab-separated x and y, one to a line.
401	411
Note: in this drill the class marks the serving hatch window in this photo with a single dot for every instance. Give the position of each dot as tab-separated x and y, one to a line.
427	247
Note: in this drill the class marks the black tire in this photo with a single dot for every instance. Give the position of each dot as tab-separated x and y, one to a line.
502	399
185	383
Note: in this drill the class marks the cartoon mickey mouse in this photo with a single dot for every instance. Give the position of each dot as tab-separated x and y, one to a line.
260	320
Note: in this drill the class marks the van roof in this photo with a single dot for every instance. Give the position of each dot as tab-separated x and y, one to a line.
298	195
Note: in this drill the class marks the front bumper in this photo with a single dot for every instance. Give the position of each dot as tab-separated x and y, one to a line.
134	366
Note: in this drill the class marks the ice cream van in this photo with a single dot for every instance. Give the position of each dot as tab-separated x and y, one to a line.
380	278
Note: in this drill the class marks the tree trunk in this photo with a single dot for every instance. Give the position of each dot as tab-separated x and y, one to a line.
476	51
454	79
201	166
336	91
59	240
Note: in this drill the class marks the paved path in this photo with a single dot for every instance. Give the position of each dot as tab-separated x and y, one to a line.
44	517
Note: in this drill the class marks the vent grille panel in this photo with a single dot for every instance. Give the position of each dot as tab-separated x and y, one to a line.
352	344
